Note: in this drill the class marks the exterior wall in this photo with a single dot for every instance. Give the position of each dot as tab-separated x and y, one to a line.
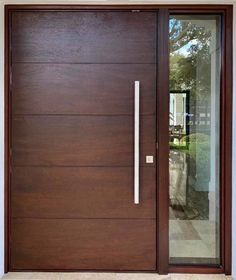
2	2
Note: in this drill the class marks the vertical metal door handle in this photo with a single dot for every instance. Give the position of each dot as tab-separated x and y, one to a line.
136	140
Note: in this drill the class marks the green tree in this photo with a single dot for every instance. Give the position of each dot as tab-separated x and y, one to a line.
190	59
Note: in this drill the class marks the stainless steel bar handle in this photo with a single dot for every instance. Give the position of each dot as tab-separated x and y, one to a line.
136	140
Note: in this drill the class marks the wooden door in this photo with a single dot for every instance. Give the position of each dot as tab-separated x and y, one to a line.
72	194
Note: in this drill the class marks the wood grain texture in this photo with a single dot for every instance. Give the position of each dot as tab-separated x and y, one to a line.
75	37
72	141
226	142
7	138
163	142
83	244
80	140
181	8
82	88
82	192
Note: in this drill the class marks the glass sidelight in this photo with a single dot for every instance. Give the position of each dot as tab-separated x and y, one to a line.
194	139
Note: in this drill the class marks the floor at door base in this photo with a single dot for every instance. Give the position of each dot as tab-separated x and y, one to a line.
108	276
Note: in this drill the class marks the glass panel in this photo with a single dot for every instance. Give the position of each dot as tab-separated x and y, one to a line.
194	138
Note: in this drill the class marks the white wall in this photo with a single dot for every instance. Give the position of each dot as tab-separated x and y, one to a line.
2	2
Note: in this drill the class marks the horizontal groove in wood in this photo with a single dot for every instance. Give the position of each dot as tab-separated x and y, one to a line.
86	63
85	218
85	115
146	165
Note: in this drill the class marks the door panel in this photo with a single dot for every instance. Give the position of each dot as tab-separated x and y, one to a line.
84	244
80	140
73	88
108	192
72	140
76	37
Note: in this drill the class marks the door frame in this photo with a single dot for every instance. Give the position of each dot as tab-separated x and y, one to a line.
162	109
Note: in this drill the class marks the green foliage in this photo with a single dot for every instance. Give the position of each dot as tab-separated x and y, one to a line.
190	59
182	32
180	146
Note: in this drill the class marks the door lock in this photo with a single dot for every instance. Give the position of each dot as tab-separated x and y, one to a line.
149	159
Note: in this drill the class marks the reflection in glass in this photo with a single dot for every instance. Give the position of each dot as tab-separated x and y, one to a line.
194	138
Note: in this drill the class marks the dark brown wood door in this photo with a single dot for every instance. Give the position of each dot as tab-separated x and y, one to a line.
72	182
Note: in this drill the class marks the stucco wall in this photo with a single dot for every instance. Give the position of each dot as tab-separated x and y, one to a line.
2	101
